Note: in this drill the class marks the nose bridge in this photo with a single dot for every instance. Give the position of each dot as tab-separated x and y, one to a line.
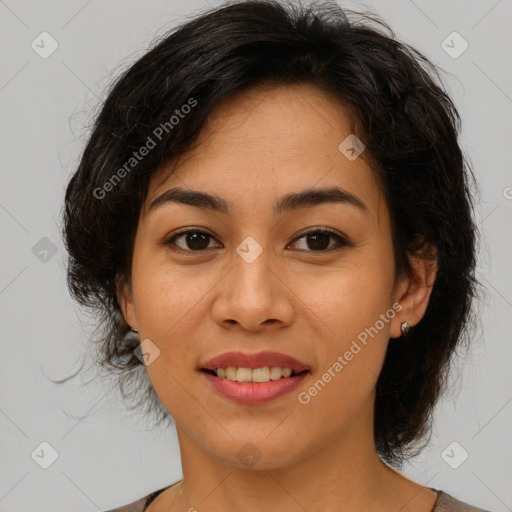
252	263
253	295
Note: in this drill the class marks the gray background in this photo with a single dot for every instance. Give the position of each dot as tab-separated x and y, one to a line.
107	458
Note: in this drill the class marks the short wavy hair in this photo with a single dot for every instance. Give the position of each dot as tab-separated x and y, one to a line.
399	108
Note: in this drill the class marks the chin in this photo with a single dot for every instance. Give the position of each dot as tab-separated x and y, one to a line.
257	452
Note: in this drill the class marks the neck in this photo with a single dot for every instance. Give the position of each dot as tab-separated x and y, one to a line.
344	474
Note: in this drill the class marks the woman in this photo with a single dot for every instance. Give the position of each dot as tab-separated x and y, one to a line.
299	374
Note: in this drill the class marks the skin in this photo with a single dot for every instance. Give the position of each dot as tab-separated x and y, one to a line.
294	298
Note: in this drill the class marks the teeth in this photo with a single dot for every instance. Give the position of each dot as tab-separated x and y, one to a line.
264	374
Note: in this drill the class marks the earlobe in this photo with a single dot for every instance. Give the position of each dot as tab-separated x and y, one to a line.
414	292
125	301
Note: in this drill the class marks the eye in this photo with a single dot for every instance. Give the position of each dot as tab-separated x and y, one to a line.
194	239
318	240
197	241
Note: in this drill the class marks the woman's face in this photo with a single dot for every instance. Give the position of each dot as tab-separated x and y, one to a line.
256	278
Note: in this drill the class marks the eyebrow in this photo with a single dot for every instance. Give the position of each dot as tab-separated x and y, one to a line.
294	201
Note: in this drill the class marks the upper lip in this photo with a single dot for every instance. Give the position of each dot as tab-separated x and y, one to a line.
256	360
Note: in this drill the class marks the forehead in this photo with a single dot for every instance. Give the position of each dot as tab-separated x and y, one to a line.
269	141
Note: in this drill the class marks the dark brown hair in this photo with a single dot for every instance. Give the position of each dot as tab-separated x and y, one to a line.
400	110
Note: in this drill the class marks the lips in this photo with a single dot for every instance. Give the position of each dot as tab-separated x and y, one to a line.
256	360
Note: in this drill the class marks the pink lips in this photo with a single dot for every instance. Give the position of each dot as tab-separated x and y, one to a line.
253	393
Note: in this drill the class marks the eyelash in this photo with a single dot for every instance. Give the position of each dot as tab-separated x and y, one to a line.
340	240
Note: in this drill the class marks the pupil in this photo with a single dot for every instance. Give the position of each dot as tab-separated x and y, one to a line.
319	245
194	238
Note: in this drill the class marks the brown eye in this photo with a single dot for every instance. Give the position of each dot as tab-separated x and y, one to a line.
192	241
318	241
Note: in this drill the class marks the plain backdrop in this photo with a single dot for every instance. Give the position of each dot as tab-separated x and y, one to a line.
101	456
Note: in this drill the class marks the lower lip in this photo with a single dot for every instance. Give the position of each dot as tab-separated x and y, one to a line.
253	393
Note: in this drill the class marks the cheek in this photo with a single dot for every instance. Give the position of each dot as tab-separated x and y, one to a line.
350	361
163	294
355	308
353	295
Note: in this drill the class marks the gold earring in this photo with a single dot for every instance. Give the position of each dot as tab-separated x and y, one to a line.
404	327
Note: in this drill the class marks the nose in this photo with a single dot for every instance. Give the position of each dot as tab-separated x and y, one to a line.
254	295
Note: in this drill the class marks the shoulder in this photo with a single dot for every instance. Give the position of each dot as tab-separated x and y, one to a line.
444	503
136	506
139	505
447	503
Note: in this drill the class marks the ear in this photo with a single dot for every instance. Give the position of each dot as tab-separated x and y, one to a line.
413	293
125	300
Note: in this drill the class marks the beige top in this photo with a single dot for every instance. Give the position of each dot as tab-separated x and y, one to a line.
444	503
